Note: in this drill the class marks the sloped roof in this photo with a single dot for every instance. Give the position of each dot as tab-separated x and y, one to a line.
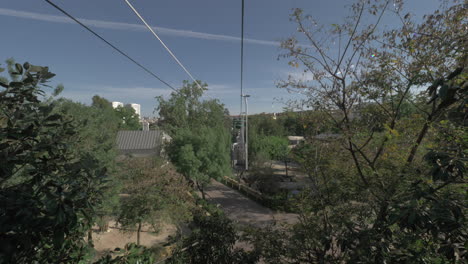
138	140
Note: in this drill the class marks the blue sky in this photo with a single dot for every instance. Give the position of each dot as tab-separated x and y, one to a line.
204	35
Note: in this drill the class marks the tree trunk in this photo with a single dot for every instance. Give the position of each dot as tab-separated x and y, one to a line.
200	188
138	233
90	237
286	166
202	193
240	180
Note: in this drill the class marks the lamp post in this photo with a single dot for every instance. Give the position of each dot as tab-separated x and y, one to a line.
246	143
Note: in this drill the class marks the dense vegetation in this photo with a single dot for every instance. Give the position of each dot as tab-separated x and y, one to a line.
49	184
392	187
60	176
154	195
200	137
388	187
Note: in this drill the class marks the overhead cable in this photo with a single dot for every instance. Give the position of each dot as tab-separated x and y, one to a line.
112	46
162	42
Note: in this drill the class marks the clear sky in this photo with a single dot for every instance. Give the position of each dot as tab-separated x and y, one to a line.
204	35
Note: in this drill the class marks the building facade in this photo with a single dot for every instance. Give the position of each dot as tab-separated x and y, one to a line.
117	104
137	108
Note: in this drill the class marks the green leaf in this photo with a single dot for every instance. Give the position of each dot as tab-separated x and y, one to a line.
16	84
58	90
54	117
19	68
58	239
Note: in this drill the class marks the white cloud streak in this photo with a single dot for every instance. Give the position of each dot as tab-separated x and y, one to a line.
132	27
84	93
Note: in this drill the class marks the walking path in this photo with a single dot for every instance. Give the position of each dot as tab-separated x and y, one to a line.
115	237
243	210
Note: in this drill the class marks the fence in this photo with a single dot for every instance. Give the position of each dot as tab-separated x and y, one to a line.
254	194
274	203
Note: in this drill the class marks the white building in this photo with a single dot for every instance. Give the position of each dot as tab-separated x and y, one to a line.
117	104
295	140
137	108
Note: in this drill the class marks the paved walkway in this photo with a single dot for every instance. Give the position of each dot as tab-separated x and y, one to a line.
243	210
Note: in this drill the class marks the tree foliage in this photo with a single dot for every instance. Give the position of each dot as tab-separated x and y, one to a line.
126	116
200	139
212	241
390	188
269	148
48	190
131	254
153	194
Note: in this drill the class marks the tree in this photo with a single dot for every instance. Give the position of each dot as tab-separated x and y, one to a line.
152	195
97	126
276	147
394	202
261	127
48	191
130	254
200	139
101	103
212	241
271	148
199	156
128	119
293	123
183	108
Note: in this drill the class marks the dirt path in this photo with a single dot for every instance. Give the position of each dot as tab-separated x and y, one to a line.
243	210
114	238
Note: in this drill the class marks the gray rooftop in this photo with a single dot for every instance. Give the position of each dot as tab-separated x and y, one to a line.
138	140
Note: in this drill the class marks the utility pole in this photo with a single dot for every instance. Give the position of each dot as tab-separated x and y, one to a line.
246	144
242	142
242	136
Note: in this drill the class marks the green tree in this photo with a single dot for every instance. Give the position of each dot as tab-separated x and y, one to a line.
377	199
152	195
264	124
48	191
101	103
128	119
97	127
271	148
200	155
293	124
131	254
200	138
276	147
212	241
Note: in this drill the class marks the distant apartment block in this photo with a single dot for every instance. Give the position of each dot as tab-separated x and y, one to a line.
117	104
137	108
